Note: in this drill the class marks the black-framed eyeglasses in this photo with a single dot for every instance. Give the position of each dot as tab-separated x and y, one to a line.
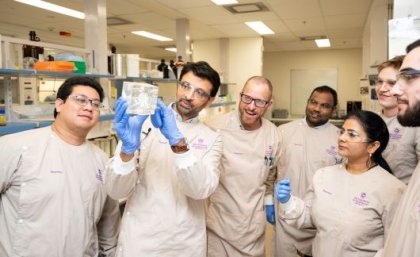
325	106
198	92
83	100
408	74
258	102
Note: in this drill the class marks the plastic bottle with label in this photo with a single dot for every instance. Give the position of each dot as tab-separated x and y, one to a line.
3	120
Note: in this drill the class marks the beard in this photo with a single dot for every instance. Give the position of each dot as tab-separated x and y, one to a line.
411	117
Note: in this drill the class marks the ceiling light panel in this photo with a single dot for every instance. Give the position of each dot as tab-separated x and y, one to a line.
53	8
323	42
223	2
259	27
151	35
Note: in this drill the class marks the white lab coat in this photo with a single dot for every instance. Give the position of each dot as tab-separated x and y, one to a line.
53	201
404	235
352	214
164	214
403	150
304	150
236	217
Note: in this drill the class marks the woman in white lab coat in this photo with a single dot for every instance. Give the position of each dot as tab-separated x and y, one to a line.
352	204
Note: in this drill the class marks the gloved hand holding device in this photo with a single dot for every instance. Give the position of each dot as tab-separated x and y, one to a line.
164	119
128	127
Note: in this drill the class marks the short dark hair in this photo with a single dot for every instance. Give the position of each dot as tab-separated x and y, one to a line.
67	87
376	130
413	45
203	70
326	89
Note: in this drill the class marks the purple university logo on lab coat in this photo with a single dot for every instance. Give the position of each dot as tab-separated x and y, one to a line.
199	144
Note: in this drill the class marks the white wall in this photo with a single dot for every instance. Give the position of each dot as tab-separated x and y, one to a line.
348	62
244	59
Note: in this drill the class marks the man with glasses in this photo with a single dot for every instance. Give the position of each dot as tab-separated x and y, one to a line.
53	200
167	170
403	237
403	150
308	144
235	218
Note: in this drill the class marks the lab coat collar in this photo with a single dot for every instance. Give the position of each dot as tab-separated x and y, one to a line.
318	127
238	121
178	117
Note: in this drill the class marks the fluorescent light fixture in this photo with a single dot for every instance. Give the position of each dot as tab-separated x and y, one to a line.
223	2
171	49
259	27
151	35
53	8
323	42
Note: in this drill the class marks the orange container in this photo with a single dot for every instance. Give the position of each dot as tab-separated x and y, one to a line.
59	66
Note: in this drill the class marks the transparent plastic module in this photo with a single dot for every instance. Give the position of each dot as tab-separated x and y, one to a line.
141	97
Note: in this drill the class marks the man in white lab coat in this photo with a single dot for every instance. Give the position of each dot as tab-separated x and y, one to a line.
236	219
403	150
168	171
404	236
53	201
307	145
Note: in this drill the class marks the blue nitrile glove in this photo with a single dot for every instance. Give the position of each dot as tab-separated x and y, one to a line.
270	214
282	190
128	127
164	119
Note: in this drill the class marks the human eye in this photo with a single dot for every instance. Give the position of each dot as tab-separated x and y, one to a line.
200	92
260	103
353	134
313	101
185	85
81	99
379	82
325	106
340	132
96	104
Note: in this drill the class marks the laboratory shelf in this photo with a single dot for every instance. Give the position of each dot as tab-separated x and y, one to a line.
50	73
149	79
222	104
106	117
14	127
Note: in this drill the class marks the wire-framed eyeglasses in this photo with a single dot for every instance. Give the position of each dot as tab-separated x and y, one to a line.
197	92
258	102
83	100
352	136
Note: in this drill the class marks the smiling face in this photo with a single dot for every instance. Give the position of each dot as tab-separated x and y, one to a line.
75	116
193	94
319	108
386	80
407	90
249	114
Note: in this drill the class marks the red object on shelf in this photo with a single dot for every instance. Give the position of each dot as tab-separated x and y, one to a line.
59	66
64	33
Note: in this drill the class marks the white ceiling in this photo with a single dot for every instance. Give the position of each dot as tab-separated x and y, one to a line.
342	21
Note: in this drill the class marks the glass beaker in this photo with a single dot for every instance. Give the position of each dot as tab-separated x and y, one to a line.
141	97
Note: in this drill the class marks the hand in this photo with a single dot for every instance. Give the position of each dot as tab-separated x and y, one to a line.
282	191
164	119
128	127
270	214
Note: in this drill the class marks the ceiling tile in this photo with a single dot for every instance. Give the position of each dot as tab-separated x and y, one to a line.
298	9
338	7
345	21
